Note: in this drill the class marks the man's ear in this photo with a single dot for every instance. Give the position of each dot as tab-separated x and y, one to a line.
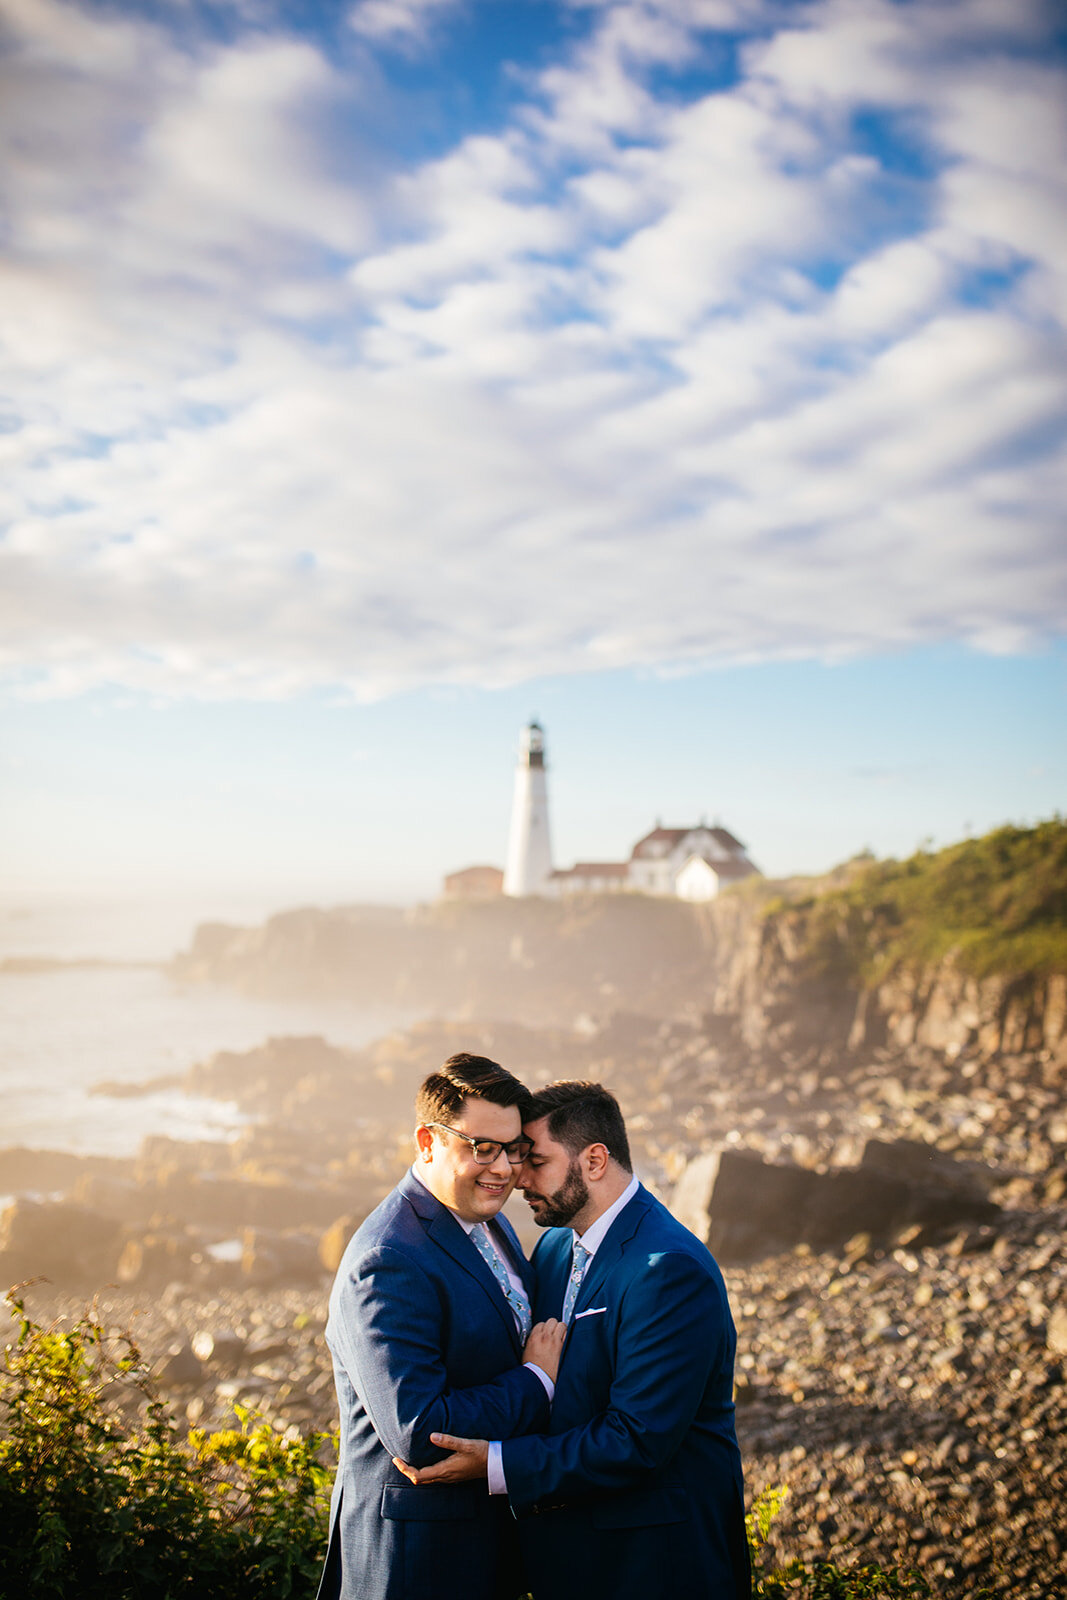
595	1159
424	1140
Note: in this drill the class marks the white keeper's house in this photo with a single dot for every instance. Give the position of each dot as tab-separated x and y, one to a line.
690	863
687	863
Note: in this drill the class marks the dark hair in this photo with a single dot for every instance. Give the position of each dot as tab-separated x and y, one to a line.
580	1114
462	1077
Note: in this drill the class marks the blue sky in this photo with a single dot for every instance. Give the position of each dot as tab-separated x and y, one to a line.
687	372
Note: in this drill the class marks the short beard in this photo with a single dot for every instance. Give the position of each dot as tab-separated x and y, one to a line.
561	1208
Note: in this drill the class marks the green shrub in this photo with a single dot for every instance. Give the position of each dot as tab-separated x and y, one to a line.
999	903
92	1507
823	1580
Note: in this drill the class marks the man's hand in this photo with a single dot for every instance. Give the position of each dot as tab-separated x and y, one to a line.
544	1346
468	1460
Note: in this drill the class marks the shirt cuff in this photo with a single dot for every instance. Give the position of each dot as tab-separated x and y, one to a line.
495	1468
550	1387
495	1464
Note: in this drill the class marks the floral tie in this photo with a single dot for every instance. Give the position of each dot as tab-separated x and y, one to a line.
520	1306
580	1258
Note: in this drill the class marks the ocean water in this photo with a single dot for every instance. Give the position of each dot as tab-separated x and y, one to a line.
66	1028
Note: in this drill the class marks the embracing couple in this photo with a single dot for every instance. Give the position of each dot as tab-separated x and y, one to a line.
563	1426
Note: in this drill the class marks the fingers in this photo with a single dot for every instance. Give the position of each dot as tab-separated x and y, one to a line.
448	1441
440	1471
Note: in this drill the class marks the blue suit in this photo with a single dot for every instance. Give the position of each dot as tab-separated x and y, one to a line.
422	1341
635	1491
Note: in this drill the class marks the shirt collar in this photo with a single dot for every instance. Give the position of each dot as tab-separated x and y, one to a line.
468	1227
594	1235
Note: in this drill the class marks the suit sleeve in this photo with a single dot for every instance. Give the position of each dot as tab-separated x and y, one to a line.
674	1333
390	1340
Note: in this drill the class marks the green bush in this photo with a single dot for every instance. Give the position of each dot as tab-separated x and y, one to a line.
823	1580
93	1507
998	902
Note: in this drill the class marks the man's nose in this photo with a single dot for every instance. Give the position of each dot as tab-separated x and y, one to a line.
500	1166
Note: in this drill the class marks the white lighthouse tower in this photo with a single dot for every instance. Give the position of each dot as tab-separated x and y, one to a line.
529	845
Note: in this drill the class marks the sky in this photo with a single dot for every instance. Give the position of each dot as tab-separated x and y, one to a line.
689	374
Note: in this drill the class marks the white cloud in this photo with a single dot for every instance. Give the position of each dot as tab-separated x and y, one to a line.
643	378
396	19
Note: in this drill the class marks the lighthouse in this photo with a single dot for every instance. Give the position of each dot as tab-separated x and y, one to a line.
529	846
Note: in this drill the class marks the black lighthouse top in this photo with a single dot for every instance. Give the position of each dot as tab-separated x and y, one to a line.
533	745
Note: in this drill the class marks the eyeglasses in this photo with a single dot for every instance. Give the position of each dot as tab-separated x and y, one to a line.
486	1151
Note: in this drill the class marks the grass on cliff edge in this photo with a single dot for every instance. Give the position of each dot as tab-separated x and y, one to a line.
93	1507
998	903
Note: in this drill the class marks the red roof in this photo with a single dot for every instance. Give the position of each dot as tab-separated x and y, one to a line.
671	837
667	836
466	877
593	869
726	838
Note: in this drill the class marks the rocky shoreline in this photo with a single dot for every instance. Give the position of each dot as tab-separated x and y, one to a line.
911	1403
904	1383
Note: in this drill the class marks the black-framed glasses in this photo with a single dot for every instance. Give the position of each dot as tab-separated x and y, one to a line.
485	1151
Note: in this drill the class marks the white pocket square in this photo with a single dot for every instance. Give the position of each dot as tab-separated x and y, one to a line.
597	1311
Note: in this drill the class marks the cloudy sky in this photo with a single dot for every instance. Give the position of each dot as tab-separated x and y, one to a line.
690	373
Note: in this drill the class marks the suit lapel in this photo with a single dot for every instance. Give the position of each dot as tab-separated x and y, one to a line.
611	1247
550	1266
445	1232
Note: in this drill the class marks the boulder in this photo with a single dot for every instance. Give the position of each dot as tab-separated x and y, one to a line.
68	1244
1056	1331
155	1258
744	1207
753	1207
923	1165
272	1257
223	1348
180	1367
334	1241
691	1201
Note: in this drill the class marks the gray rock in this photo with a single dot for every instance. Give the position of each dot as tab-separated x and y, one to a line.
1056	1331
68	1244
180	1367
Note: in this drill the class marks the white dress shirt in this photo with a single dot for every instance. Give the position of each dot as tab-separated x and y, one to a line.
591	1239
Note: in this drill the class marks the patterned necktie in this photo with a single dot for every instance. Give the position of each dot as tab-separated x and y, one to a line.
580	1258
516	1299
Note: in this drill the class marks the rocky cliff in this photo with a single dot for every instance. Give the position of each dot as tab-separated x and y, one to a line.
962	950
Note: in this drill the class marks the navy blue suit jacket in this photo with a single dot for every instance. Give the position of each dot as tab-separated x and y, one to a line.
635	1491
422	1341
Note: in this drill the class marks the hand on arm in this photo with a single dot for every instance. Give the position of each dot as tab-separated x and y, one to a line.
389	1336
467	1461
469	1457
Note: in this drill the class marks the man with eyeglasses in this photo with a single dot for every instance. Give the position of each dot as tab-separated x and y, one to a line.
430	1331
